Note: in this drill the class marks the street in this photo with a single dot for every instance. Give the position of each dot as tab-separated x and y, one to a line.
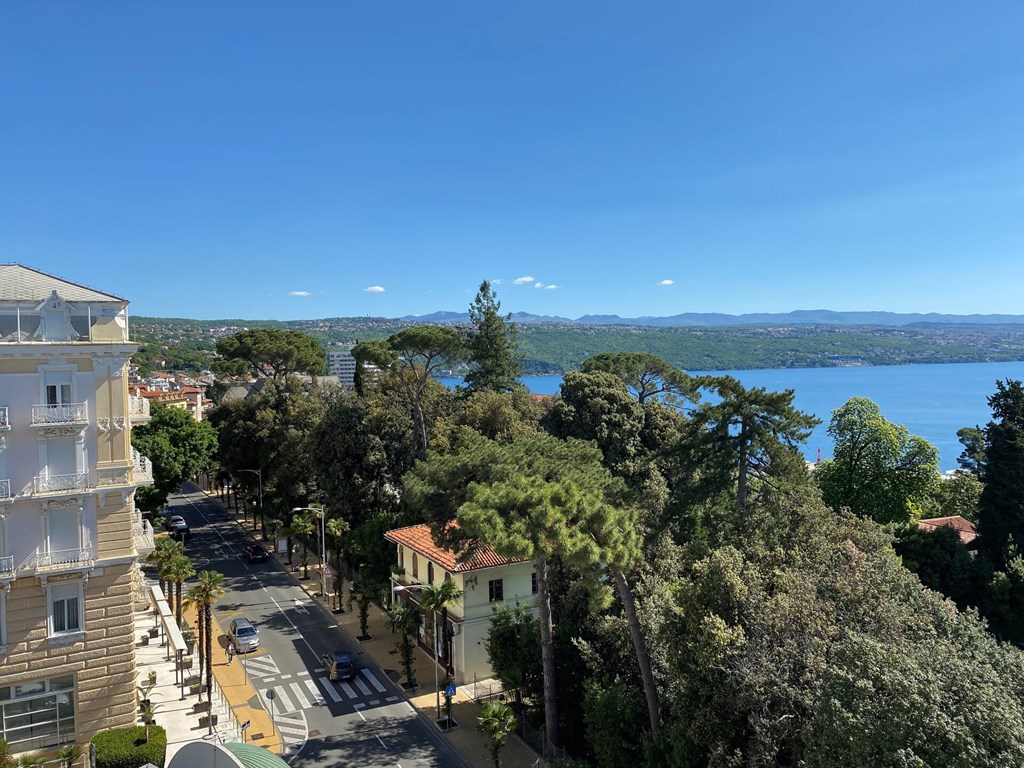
364	722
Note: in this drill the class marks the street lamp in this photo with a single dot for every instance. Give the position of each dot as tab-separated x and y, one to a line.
433	619
323	546
259	478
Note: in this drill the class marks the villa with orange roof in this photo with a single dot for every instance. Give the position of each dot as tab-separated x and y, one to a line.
487	580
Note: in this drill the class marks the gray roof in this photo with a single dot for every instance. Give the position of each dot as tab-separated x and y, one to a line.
20	283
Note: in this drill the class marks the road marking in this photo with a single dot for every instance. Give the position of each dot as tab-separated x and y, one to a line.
317	696
391	698
262	666
300	607
362	686
373	680
300	695
329	687
375	702
348	690
382	742
358	707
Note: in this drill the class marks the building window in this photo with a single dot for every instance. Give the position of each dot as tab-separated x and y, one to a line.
65	608
430	572
533	583
415	566
495	590
38	715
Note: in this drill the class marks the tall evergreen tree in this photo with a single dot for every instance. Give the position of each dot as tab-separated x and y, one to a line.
1001	511
492	345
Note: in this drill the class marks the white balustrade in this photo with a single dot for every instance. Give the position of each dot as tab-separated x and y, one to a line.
143	468
61	413
5	489
138	408
7	564
79	481
5	422
142	537
59	557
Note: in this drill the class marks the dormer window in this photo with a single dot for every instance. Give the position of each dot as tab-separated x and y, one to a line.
56	319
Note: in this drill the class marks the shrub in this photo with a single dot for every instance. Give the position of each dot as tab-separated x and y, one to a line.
128	747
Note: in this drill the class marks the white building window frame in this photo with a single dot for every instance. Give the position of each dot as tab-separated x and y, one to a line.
57	368
65	591
83	534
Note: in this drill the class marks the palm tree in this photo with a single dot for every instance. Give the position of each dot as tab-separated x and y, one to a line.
304	525
6	760
179	569
203	595
437	599
27	760
68	754
497	720
404	620
361	593
337	527
166	548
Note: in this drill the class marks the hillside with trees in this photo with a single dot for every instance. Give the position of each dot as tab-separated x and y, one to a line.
704	599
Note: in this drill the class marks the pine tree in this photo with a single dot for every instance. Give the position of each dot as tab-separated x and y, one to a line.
1001	510
492	345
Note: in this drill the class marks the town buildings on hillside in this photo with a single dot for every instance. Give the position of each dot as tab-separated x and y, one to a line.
70	536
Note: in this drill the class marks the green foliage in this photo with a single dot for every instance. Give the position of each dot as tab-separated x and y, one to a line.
129	748
272	352
179	448
404	620
649	376
513	651
879	469
496	721
972	458
491	346
960	494
613	714
1001	509
501	416
943	563
362	592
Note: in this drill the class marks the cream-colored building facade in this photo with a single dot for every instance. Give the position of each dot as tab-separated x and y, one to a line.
487	581
70	537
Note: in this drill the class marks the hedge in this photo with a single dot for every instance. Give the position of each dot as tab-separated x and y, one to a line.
128	748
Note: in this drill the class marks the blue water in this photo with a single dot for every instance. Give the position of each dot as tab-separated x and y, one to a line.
932	401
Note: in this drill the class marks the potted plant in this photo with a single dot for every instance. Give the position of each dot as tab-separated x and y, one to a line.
189	635
148	711
144	690
152	677
68	754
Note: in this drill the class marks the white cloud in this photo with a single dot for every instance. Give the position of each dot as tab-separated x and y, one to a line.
550	287
373	289
538	285
523	280
667	282
496	281
299	293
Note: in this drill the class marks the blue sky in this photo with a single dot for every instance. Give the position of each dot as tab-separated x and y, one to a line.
315	159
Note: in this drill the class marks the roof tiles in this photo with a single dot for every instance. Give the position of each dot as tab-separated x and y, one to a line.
419	539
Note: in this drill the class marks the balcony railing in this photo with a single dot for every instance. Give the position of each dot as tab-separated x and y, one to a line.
5	422
61	558
143	468
6	565
62	413
138	409
78	481
142	537
5	489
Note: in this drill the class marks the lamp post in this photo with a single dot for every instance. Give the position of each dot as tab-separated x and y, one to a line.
259	478
433	620
323	545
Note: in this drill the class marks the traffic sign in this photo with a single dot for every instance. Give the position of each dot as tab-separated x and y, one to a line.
328	573
270	694
450	690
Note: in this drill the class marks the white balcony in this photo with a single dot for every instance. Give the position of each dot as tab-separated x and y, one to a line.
5	422
5	489
142	469
6	566
62	413
64	559
142	537
138	409
79	481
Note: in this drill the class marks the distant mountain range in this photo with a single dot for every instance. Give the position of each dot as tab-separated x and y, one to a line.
798	317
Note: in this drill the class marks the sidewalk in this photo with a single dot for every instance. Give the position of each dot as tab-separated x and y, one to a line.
464	739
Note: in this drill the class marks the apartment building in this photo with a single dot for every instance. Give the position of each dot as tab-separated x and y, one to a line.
70	538
341	363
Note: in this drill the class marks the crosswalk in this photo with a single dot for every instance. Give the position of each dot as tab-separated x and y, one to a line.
285	694
260	666
293	729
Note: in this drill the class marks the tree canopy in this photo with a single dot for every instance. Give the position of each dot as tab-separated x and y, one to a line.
878	470
491	345
272	352
179	448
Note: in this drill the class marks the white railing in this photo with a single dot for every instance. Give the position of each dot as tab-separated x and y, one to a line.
62	413
7	564
5	489
138	408
5	422
142	537
143	468
79	481
59	557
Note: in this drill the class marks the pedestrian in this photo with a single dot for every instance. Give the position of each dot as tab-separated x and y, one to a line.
231	652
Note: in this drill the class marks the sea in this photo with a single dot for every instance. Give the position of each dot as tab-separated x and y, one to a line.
932	401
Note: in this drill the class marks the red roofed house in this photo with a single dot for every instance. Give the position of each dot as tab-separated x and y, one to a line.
488	579
965	528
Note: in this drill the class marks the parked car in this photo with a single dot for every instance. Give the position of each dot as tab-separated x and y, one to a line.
254	553
173	521
339	665
243	634
179	528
